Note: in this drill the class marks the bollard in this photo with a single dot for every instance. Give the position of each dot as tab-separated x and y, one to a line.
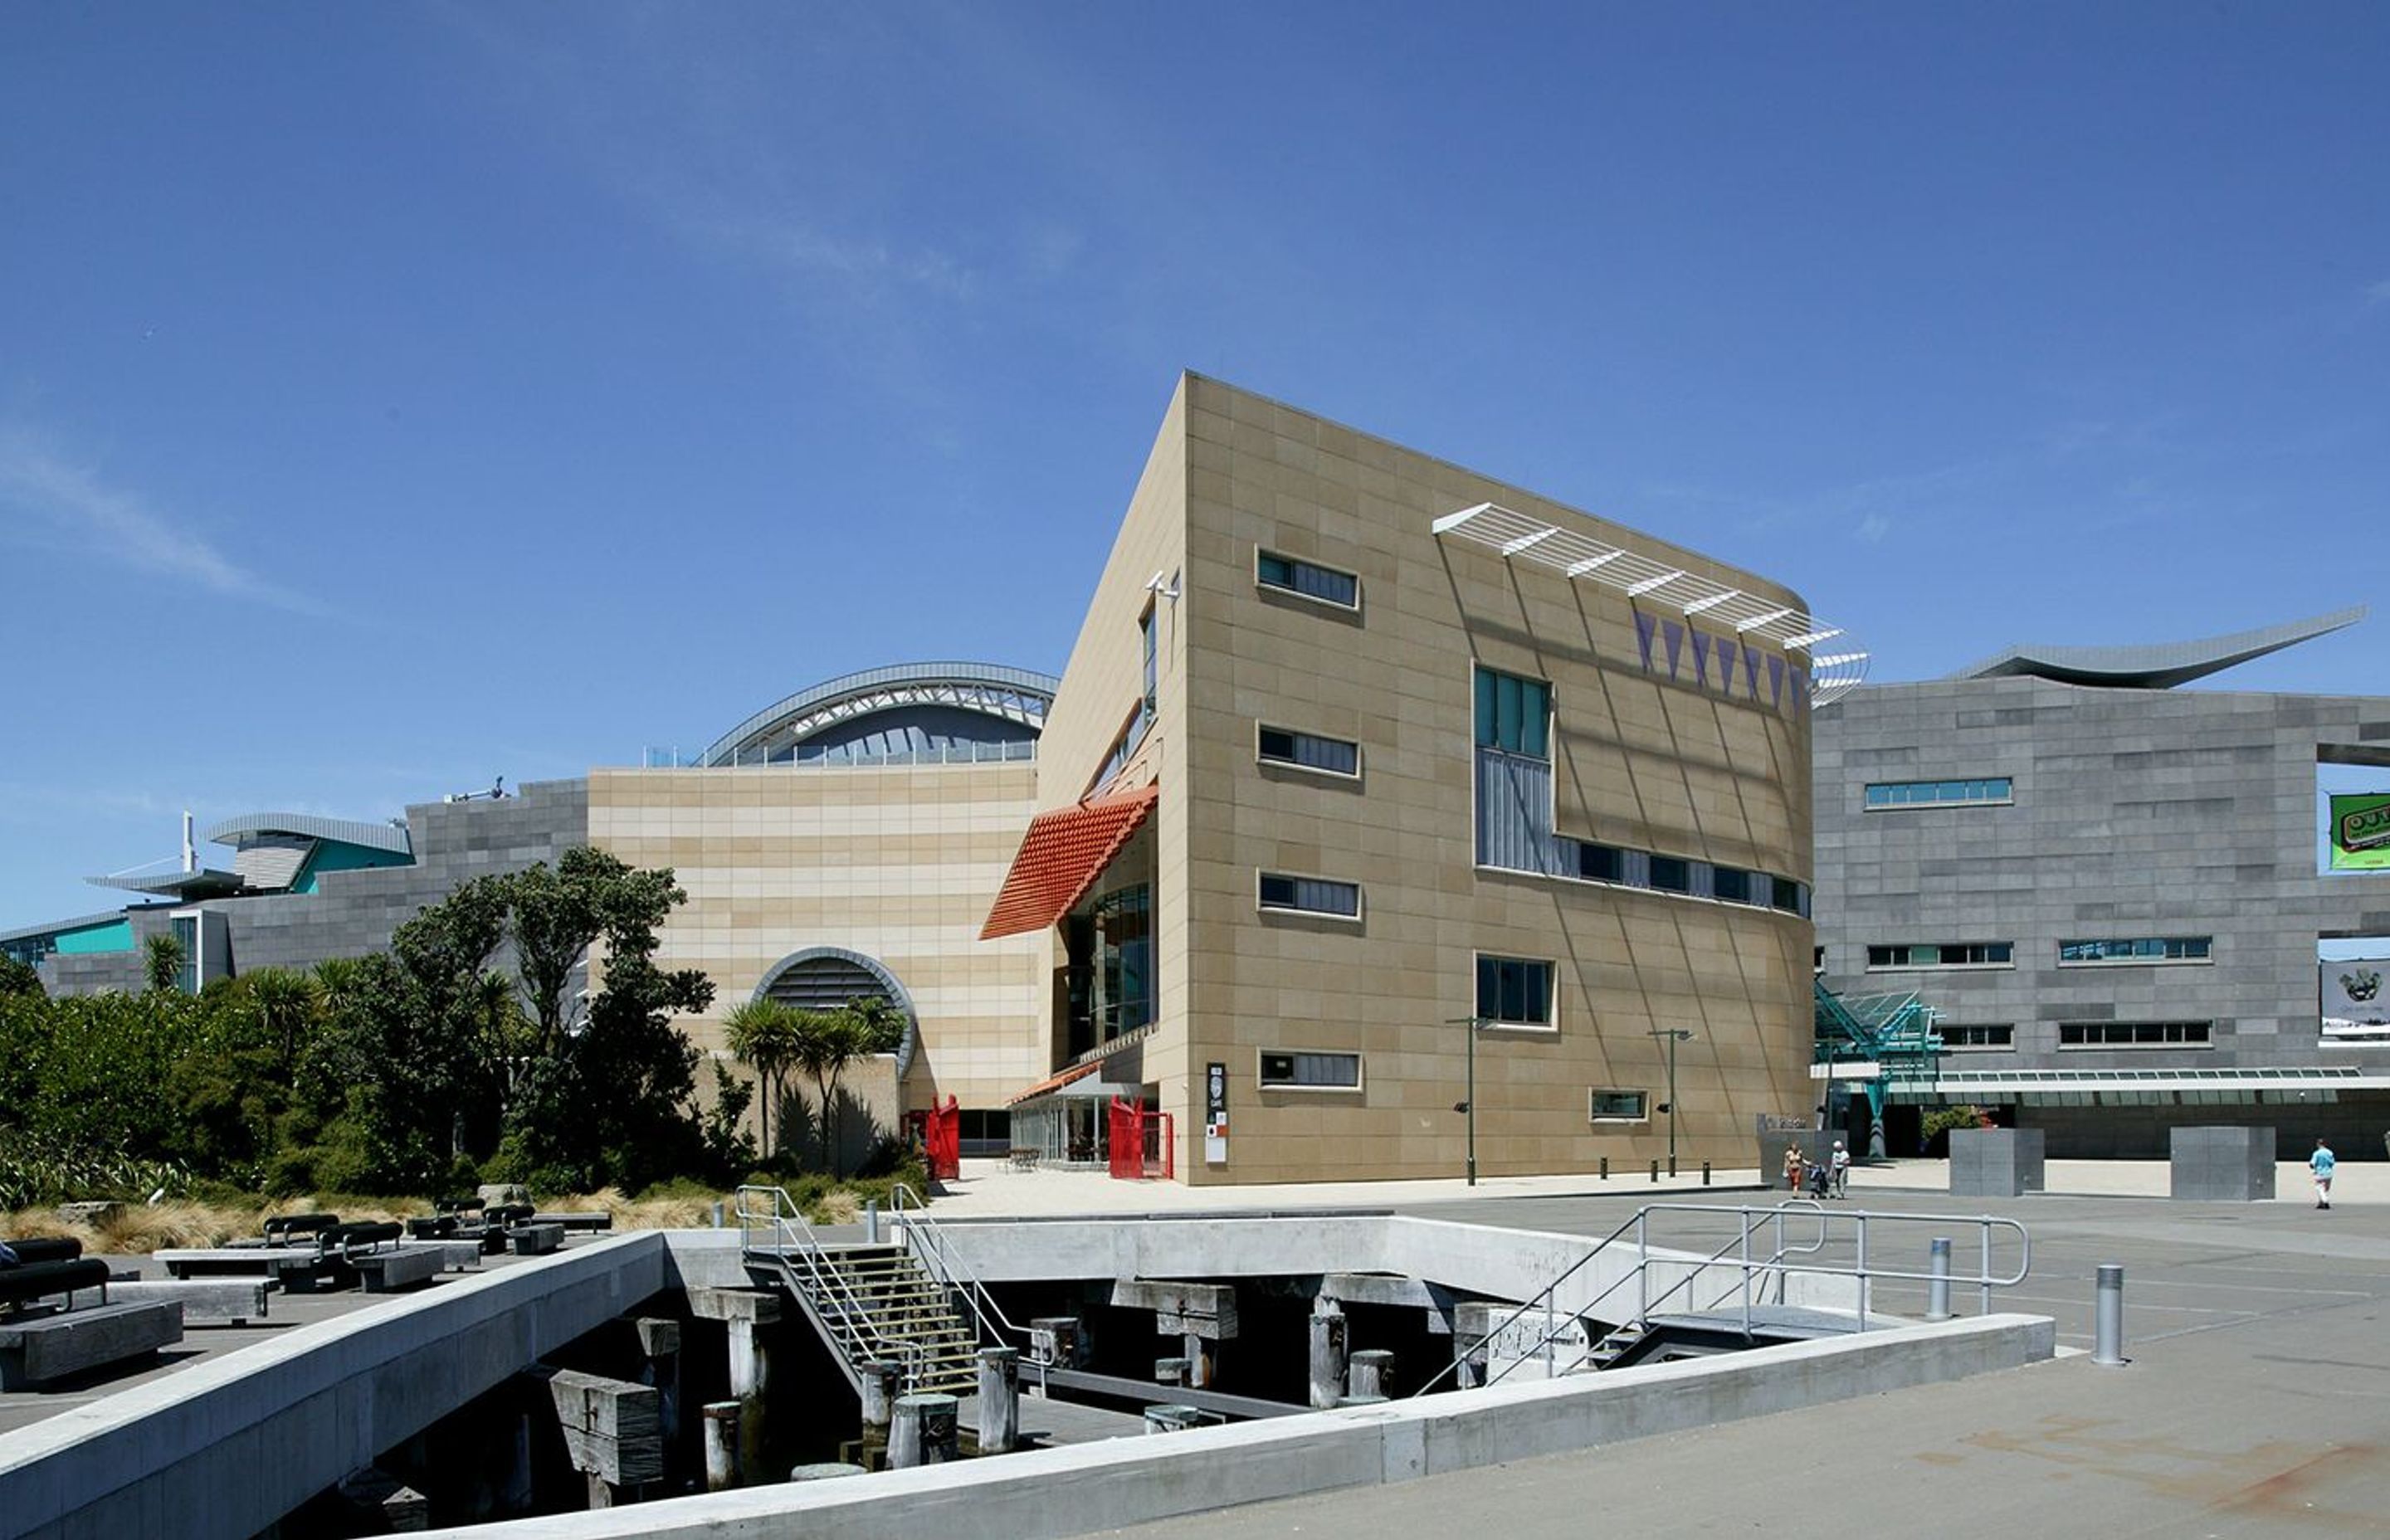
1705	1173
717	1214
1655	1171
1605	1168
721	1445
872	1222
828	1470
1327	1356
1672	1168
882	1379
1170	1371
1170	1420
1938	1283
999	1400
1369	1376
924	1432
2107	1317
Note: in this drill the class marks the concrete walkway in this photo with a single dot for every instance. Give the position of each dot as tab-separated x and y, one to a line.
991	1190
2257	1401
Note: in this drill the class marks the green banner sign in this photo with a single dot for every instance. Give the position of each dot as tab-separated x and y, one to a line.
2361	832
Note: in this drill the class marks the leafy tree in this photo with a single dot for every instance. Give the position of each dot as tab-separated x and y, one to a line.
17	978
763	1034
163	957
830	1042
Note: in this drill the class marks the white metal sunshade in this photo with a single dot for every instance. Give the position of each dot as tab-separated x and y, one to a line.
1516	537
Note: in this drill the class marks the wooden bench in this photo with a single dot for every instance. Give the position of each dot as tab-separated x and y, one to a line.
35	1352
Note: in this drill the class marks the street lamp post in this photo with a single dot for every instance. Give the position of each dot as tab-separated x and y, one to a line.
1674	1035
1469	1106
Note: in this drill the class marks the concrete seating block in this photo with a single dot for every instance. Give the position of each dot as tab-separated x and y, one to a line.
52	1347
213	1301
400	1267
1996	1162
194	1262
531	1241
2222	1165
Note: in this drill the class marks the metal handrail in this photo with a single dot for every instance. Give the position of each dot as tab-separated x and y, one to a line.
1640	1272
827	1283
1748	1266
941	1263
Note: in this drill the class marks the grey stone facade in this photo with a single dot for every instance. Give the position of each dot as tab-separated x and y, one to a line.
352	913
2135	812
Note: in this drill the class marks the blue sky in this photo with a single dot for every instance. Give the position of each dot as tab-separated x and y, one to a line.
393	397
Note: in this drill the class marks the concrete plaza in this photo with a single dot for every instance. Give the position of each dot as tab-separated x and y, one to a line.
2257	1401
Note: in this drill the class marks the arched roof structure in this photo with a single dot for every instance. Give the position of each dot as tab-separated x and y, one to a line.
925	704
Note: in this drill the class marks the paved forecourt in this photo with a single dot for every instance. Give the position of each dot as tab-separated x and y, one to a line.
2254	1401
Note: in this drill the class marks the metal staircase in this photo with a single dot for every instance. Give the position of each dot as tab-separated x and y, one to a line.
869	1302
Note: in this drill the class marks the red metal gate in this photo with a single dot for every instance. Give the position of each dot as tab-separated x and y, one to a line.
941	1139
1142	1143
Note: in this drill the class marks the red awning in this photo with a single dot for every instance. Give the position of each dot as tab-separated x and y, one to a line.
1061	857
1055	1083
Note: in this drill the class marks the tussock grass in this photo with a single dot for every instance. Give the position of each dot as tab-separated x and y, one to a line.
140	1229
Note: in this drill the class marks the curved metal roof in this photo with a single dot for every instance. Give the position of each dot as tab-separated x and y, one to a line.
347	832
1016	695
2160	666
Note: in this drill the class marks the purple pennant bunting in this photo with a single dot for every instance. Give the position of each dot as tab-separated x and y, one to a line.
1644	626
1700	656
1674	631
1750	669
1726	665
1775	681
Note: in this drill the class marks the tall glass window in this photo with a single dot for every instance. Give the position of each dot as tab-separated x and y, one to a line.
1124	973
1145	627
1514	714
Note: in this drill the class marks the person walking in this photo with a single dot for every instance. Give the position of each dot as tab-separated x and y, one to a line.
1841	1162
1793	1164
2321	1163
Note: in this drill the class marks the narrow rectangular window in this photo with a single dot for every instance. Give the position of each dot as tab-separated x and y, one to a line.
1310	895
1308	579
1332	756
1730	884
1601	862
1299	1069
1671	875
1618	1106
1982	791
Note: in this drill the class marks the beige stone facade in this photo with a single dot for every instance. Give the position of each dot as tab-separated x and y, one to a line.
1637	759
894	862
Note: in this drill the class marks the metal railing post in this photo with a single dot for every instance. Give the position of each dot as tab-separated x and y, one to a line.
1983	1273
2107	1317
1937	1285
1862	1269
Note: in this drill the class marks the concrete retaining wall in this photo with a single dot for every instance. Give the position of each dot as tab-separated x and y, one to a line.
228	1446
1047	1493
